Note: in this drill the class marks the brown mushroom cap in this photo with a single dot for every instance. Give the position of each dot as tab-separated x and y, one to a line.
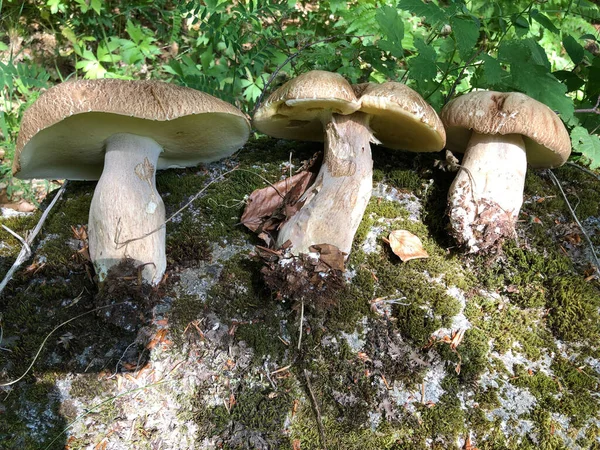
546	139
62	134
294	110
400	118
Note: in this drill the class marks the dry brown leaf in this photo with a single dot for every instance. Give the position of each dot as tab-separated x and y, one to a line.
330	255
269	207
406	245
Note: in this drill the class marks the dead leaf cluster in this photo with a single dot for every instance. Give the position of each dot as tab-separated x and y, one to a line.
267	209
315	279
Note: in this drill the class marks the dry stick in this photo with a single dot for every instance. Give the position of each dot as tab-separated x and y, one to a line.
48	337
594	110
583	169
176	213
317	412
301	322
25	252
587	238
291	57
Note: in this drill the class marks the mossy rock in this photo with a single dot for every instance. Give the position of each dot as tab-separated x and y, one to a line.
218	361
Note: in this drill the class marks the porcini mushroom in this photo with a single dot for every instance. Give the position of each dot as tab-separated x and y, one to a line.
321	106
499	133
121	132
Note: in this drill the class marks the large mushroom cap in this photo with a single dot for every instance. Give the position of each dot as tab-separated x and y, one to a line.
487	112
294	110
400	118
63	133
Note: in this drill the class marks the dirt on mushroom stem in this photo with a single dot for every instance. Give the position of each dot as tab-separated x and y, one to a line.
335	203
486	196
127	212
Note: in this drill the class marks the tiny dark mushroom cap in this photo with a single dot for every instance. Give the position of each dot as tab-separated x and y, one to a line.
499	133
323	106
546	139
120	132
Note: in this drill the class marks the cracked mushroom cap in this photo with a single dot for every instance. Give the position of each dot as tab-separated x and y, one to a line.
546	139
63	133
400	118
294	110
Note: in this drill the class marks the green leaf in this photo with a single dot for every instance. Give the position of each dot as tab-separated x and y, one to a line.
520	24
430	11
524	51
541	85
392	27
422	66
543	21
573	48
588	144
492	70
466	33
571	80
588	36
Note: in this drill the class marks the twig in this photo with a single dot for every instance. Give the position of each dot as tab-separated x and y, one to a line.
25	252
583	169
451	91
291	57
50	334
587	238
594	110
317	412
176	213
301	323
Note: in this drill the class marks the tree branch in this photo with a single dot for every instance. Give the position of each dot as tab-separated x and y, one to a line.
594	110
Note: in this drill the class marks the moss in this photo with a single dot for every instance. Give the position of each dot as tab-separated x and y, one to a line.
573	309
445	421
256	411
405	179
506	325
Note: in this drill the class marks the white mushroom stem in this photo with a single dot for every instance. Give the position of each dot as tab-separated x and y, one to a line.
334	205
126	209
487	193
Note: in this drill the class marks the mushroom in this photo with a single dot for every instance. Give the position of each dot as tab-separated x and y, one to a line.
121	132
499	133
319	106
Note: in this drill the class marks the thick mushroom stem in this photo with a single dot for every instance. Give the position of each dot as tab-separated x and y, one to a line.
127	215
334	205
486	195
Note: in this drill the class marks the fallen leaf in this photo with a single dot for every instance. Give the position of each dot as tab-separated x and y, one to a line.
269	207
406	245
330	255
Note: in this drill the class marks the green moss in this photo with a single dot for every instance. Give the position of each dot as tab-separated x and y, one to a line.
256	411
405	179
506	325
573	309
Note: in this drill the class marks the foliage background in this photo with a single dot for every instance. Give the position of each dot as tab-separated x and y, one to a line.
546	49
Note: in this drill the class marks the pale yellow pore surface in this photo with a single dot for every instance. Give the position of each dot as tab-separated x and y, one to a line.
296	109
63	133
546	139
401	118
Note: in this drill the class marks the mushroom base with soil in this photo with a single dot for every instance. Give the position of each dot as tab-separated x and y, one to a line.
127	215
487	193
334	205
